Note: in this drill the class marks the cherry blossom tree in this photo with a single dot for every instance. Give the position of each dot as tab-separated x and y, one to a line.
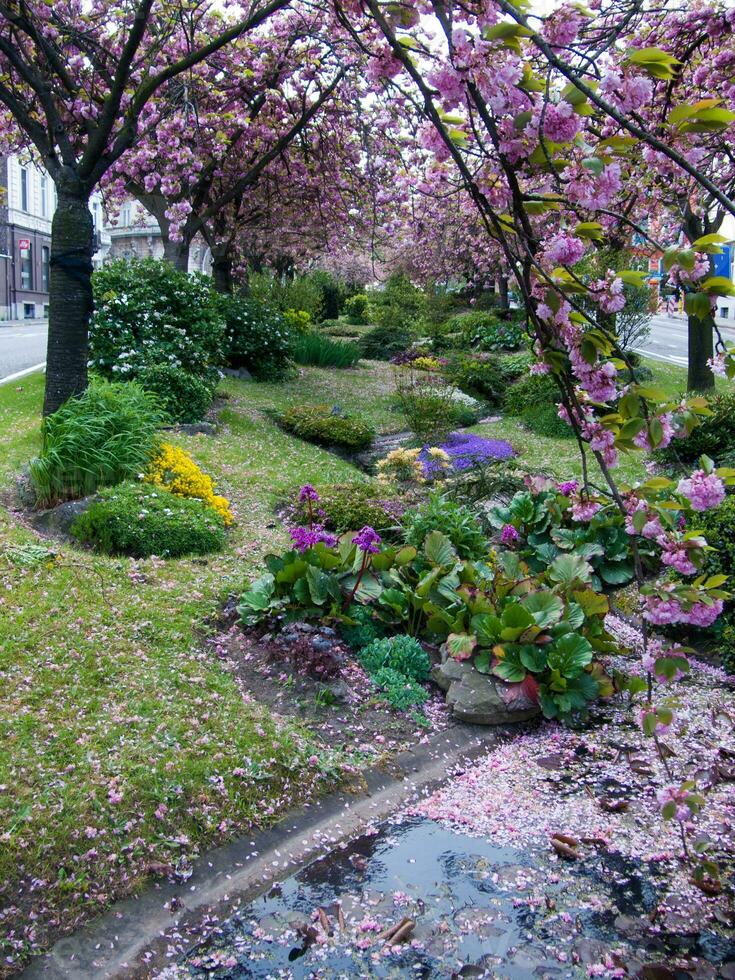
77	81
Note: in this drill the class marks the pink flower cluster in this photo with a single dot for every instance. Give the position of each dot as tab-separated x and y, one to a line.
663	612
703	490
643	439
564	249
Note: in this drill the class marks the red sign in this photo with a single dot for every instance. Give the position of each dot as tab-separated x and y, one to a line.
24	244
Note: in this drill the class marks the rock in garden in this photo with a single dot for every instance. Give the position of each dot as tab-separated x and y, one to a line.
57	521
481	699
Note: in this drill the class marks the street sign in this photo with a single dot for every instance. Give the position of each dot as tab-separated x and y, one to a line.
24	244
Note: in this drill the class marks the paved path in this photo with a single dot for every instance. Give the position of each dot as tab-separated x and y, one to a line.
22	347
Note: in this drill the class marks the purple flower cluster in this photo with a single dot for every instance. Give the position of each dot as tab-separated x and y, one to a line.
367	540
306	537
509	534
702	490
467	450
307	492
406	357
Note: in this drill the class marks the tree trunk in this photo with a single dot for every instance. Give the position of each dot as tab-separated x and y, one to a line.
222	271
70	293
503	300
177	253
701	349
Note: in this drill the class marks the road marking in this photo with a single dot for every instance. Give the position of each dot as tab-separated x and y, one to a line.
659	356
22	374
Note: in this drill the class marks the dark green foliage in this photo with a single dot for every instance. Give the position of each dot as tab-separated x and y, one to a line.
487	331
544	420
533	389
321	424
258	337
714	437
100	438
403	654
383	342
320	351
332	294
362	629
147	312
399	691
458	522
182	396
350	506
400	306
356	308
139	520
477	375
515	366
718	527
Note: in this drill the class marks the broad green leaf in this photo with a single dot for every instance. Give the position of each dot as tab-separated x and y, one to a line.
570	655
461	645
545	607
439	549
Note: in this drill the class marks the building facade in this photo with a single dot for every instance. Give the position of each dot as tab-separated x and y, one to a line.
134	234
27	205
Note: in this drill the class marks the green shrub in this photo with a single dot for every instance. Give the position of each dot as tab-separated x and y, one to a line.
182	396
486	331
331	292
299	321
544	421
457	521
714	437
515	366
100	438
533	389
382	343
258	338
403	654
139	520
321	351
320	424
350	506
299	293
356	308
361	628
477	375
400	306
400	691
427	405
147	312
335	328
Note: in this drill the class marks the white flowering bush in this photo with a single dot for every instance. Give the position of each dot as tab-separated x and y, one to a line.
148	313
259	337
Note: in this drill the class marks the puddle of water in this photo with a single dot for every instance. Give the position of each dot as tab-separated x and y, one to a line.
480	910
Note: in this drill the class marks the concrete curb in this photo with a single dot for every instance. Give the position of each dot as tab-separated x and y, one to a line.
110	946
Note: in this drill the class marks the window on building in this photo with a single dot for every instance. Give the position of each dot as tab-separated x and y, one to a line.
29	311
26	268
45	267
23	189
125	214
44	195
725	312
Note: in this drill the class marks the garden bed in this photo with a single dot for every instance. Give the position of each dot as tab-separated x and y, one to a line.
342	709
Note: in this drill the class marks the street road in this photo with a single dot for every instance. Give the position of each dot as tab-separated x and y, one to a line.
23	343
668	339
22	346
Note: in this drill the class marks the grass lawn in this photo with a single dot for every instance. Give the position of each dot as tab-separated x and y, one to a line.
124	745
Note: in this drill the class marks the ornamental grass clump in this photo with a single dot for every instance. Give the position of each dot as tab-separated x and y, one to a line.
318	350
403	654
174	470
96	439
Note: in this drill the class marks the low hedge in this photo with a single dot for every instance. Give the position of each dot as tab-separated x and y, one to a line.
139	520
327	427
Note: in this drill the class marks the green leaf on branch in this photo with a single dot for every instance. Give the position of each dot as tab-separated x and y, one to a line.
698	305
655	61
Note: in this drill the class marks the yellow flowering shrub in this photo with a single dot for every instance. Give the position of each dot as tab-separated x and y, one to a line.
404	465
426	364
173	469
